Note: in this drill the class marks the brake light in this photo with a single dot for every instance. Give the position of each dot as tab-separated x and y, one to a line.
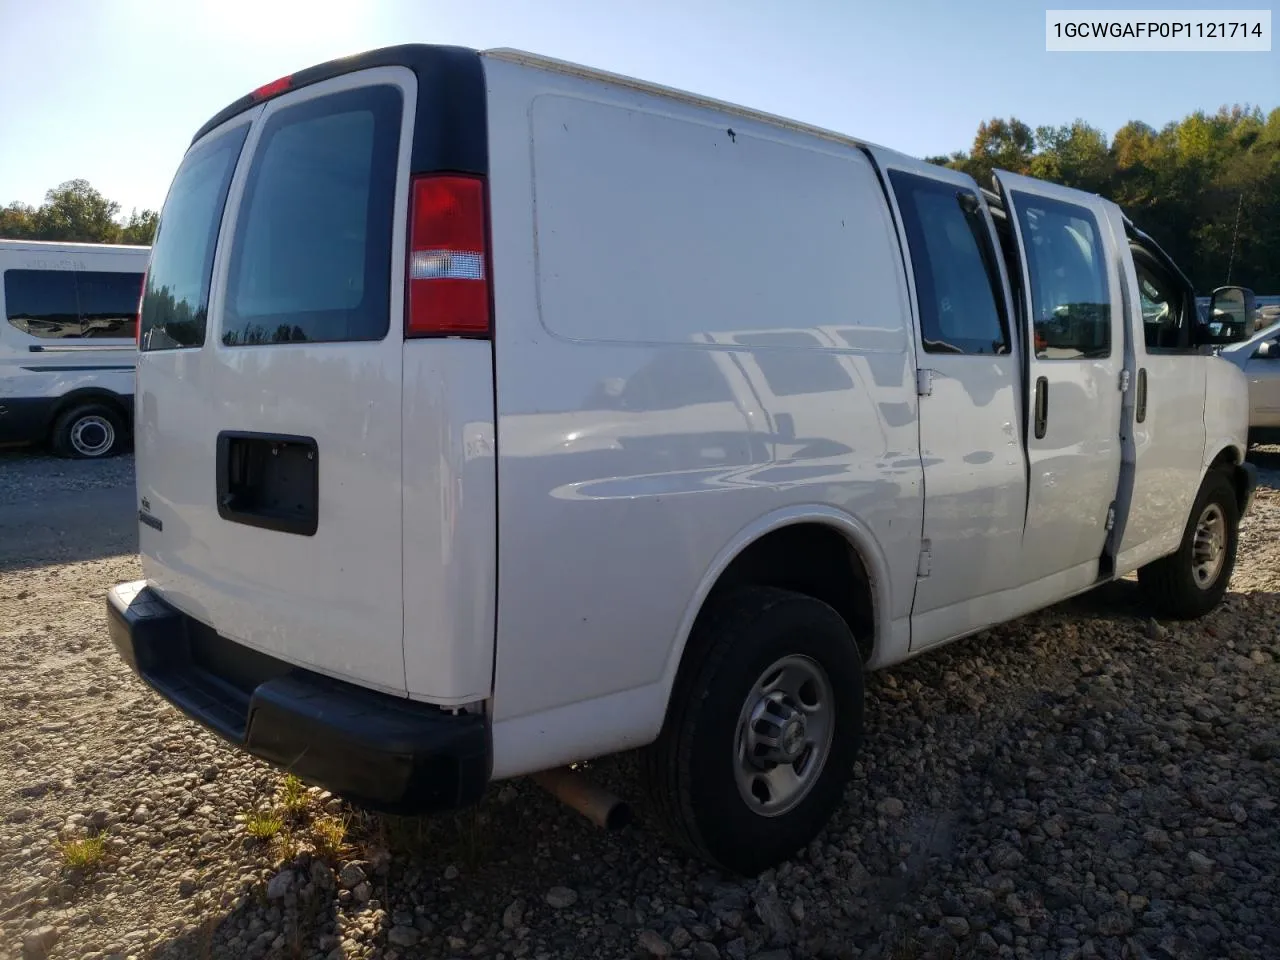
447	288
137	320
268	90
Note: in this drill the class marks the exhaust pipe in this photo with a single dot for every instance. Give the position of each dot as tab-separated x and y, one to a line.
590	799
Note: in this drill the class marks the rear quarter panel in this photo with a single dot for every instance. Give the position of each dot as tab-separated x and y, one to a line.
700	325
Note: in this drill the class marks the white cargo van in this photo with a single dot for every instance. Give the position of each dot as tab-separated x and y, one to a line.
495	413
68	321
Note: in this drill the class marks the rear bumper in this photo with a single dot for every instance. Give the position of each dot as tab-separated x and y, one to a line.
379	751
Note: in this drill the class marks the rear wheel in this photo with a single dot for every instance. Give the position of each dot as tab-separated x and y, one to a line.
88	431
763	728
1192	581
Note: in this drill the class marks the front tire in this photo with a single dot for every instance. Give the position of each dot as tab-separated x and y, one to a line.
1191	582
764	724
88	431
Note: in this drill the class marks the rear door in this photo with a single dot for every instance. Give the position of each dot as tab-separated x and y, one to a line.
974	464
269	448
1075	356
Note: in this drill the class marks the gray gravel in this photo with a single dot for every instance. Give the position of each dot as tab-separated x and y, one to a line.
1082	783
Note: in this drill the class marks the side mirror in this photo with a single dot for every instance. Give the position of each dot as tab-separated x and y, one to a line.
1230	316
1267	351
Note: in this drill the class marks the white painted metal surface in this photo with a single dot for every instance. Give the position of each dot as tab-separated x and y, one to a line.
661	274
332	602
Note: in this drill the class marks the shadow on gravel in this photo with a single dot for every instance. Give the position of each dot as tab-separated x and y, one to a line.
55	511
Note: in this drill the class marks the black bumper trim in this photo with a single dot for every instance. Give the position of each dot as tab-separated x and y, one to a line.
379	751
1247	485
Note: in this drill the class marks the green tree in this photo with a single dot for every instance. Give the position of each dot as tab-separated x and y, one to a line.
75	211
17	221
140	228
1207	187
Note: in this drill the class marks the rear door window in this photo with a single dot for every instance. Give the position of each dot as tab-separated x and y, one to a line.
176	303
311	260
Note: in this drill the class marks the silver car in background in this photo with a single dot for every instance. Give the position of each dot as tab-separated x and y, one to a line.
1259	358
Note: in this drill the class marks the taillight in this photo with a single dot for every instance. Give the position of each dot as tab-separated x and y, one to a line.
137	320
447	286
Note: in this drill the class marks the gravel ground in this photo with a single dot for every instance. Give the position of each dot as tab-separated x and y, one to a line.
1081	783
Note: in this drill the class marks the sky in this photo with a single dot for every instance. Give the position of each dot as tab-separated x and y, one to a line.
112	90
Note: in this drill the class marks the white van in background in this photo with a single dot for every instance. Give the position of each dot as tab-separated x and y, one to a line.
68	344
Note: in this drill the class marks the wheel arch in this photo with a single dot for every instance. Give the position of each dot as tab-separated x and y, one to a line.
866	607
1230	459
121	403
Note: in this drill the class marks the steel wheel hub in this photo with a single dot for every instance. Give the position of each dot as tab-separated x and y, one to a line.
1208	548
784	735
92	436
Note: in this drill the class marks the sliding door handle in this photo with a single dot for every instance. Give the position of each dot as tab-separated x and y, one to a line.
1142	395
1042	406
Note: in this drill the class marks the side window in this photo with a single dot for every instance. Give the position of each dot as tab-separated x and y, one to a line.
42	303
311	260
108	303
1070	303
953	259
1164	311
65	304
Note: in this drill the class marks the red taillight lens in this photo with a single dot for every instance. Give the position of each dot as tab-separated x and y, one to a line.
447	285
268	90
137	320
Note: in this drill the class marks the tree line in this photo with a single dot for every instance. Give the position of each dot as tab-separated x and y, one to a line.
76	212
1206	188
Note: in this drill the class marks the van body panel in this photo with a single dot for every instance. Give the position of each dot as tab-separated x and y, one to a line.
705	396
450	523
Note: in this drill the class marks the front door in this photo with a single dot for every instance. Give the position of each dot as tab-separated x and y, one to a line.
1168	406
1075	355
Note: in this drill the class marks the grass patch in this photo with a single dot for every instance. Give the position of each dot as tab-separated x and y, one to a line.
263	825
329	834
84	854
293	796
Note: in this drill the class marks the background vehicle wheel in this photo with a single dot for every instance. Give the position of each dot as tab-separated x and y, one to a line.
764	724
88	431
1189	583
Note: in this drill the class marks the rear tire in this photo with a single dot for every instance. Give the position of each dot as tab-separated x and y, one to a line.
88	431
762	730
1189	583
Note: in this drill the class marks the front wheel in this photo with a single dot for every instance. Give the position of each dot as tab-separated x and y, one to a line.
764	725
1188	584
